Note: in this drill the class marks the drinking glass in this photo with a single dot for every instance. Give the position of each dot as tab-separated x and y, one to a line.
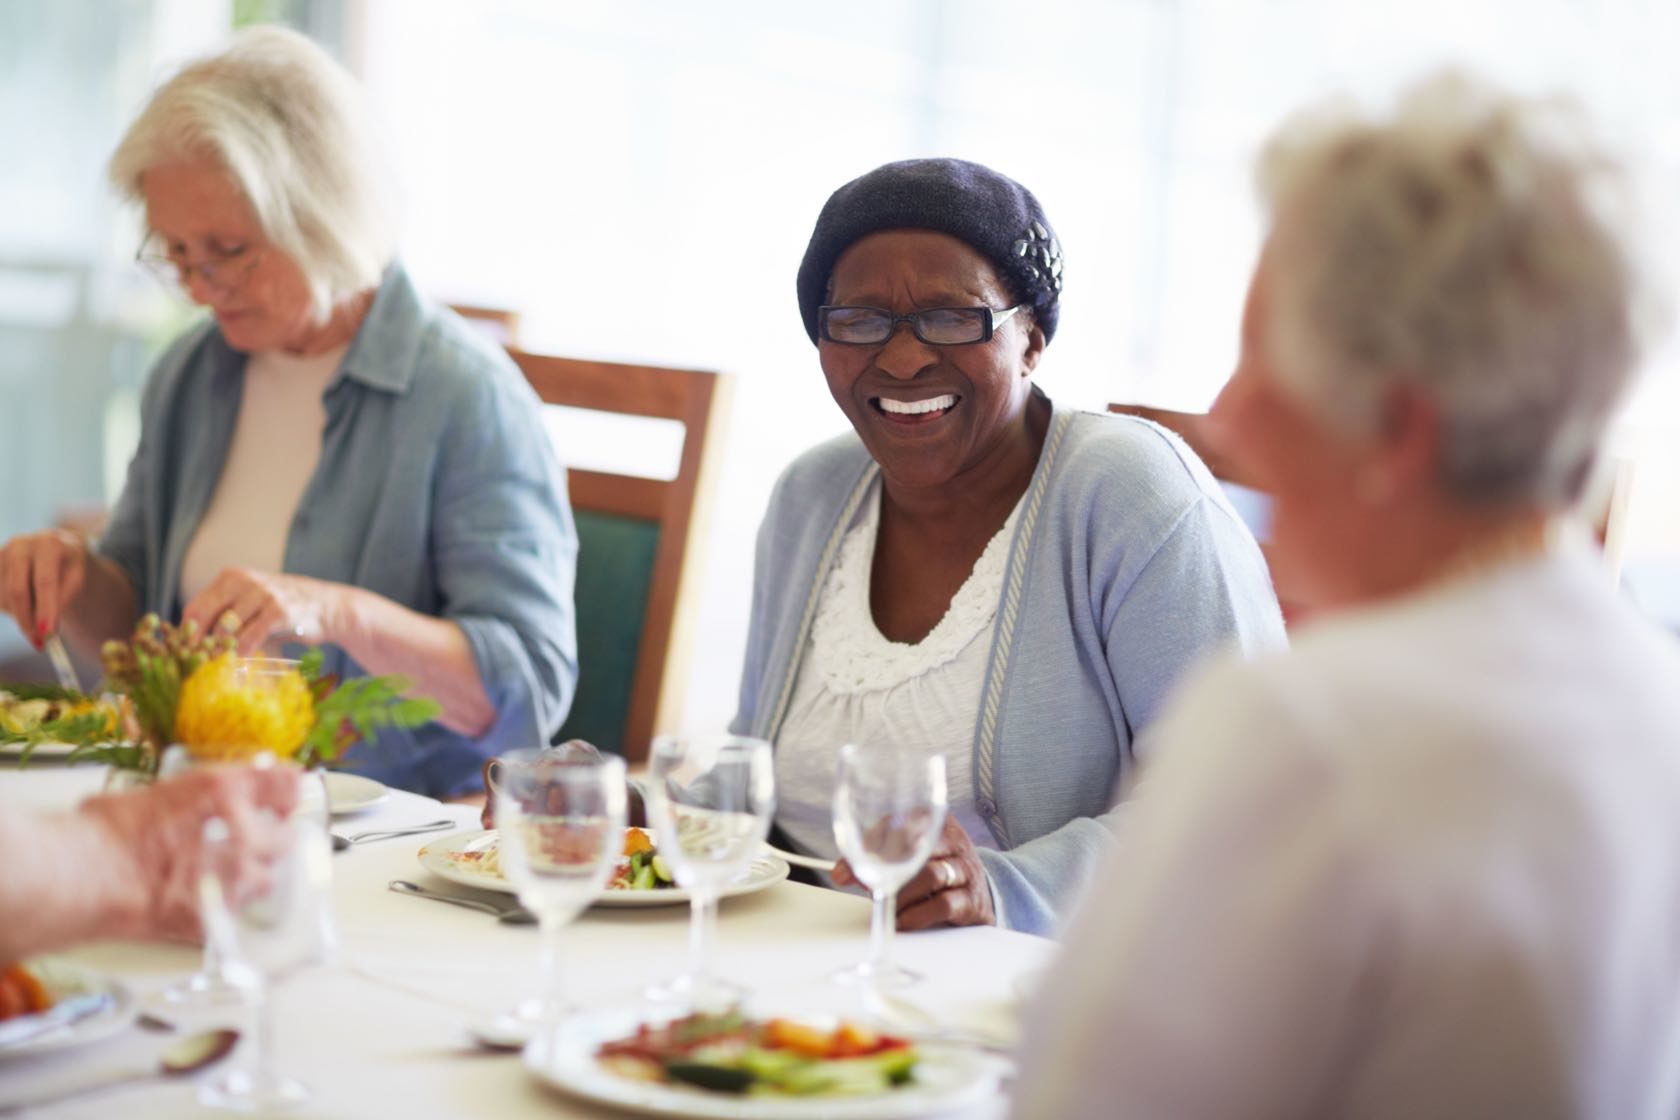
561	820
263	939
889	805
210	988
710	801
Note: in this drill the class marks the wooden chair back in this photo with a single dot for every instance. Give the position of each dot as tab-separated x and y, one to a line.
500	323
1191	428
625	521
1604	509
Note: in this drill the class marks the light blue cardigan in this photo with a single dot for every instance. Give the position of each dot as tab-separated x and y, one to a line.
1127	565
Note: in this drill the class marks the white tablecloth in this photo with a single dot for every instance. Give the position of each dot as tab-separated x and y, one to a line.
376	1049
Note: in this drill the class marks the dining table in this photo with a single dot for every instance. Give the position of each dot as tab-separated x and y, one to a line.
380	1028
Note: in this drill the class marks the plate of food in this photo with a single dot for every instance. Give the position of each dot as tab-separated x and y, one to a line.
32	715
47	1003
729	1065
351	793
642	877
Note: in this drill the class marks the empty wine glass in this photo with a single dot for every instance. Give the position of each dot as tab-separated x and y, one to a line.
561	819
710	800
889	805
263	939
209	988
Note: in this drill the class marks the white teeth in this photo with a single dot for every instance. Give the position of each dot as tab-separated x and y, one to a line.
912	408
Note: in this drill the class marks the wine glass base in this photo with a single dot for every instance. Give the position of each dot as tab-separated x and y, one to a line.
244	1091
509	1030
871	975
709	994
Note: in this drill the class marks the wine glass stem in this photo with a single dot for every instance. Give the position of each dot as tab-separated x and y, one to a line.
550	981
881	925
262	1032
703	921
213	967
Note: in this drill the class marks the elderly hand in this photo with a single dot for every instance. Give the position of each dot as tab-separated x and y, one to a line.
270	606
158	831
950	889
40	573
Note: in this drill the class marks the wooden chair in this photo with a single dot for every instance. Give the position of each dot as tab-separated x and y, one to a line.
499	323
1240	485
1188	426
1604	509
637	538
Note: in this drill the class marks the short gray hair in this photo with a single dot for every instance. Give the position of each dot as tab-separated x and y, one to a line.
1476	245
286	121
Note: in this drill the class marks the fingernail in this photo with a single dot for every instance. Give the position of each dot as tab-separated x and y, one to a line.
40	631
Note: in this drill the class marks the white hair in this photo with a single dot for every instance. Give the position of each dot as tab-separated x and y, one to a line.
1474	245
286	121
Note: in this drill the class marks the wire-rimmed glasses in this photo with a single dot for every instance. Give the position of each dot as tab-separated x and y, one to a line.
889	806
222	271
710	800
937	326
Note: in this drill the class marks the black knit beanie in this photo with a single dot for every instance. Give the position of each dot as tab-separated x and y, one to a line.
991	212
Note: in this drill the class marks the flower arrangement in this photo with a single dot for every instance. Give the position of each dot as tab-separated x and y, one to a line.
170	684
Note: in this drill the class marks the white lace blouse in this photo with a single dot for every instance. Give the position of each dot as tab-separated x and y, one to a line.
856	686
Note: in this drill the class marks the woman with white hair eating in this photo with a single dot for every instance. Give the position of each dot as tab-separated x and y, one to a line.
1428	862
328	459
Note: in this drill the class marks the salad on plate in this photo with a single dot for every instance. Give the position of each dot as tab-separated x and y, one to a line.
730	1053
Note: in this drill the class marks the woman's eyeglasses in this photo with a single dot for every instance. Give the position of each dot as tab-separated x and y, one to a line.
937	326
222	270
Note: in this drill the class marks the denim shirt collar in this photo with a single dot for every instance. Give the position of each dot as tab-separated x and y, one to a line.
386	350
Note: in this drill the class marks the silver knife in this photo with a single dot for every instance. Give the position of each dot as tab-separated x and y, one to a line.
64	1013
62	666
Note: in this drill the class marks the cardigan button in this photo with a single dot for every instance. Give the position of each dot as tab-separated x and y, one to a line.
987	807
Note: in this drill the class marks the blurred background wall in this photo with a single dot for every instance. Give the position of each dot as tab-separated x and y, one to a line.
639	178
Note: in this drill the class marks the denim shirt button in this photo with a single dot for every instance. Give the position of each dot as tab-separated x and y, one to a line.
987	807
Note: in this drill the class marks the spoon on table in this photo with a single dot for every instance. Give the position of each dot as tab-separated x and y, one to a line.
191	1054
508	915
340	843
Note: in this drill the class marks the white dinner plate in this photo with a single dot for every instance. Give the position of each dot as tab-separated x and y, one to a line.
442	858
946	1078
40	751
351	793
63	980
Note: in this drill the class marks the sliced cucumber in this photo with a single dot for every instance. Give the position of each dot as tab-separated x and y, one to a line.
771	1065
722	1079
661	868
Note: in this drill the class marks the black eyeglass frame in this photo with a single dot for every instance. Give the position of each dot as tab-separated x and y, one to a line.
991	319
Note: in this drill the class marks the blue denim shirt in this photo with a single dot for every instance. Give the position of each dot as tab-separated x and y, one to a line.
437	487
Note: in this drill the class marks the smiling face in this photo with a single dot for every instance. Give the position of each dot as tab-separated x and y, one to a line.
199	215
929	414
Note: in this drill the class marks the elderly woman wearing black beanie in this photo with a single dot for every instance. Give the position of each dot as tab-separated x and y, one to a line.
975	571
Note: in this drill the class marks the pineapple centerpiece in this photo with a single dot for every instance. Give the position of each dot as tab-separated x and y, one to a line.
173	685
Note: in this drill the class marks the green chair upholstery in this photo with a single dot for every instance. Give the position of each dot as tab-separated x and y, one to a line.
634	589
614	574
